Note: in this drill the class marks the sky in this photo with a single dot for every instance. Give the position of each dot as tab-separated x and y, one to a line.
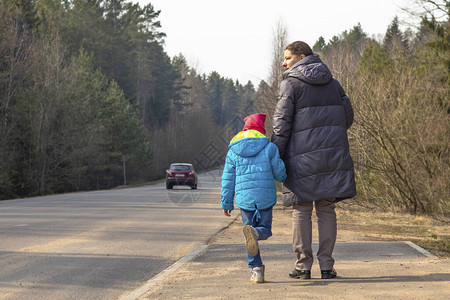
234	37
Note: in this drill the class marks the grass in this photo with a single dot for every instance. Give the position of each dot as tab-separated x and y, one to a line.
430	234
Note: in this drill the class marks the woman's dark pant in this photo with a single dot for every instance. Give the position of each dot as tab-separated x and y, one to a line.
302	233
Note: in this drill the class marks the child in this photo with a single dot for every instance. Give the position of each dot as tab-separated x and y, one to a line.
251	165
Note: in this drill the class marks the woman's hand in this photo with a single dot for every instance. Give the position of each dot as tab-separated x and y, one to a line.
227	212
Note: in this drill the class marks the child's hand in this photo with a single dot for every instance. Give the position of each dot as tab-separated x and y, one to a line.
227	213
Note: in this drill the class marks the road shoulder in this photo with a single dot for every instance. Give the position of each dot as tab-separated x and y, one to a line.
368	269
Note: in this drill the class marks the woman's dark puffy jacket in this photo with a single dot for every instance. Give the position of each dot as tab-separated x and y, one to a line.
310	126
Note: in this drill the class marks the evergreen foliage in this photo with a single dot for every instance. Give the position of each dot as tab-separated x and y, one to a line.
89	100
400	93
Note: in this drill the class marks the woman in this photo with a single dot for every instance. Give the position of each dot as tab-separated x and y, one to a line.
310	126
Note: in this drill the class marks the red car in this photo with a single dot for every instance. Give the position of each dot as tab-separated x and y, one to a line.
181	174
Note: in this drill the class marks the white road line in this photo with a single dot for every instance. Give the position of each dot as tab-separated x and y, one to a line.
162	275
420	249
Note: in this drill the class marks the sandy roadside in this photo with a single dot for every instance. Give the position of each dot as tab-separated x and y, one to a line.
369	270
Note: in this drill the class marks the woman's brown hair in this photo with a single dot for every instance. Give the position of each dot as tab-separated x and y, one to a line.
298	48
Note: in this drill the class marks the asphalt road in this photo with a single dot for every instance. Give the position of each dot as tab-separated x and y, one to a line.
103	244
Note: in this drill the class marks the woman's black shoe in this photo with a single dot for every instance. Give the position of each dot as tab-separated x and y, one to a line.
328	274
300	274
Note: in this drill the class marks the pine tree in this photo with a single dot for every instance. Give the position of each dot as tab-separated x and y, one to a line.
394	37
441	43
319	45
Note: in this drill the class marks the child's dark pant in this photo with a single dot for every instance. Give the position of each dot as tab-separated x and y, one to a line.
262	221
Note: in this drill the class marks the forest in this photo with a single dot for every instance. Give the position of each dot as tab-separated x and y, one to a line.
89	99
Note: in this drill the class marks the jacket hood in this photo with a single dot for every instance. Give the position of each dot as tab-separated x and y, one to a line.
256	122
311	69
248	146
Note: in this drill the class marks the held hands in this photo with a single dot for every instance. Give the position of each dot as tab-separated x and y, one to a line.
227	212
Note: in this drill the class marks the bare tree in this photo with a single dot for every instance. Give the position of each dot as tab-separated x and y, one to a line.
279	43
267	98
15	47
50	89
401	136
437	9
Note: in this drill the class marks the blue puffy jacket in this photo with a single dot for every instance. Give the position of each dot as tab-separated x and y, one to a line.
251	165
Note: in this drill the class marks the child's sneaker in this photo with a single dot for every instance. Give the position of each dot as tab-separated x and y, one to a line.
251	240
257	275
